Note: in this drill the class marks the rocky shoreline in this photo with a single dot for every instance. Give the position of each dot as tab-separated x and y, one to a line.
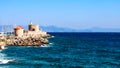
21	37
29	41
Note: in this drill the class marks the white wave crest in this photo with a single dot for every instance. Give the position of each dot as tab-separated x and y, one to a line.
50	43
53	36
5	61
45	45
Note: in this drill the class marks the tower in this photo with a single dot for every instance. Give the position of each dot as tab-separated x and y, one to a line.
33	27
18	31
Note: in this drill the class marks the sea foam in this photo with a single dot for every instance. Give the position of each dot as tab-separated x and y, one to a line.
5	61
53	36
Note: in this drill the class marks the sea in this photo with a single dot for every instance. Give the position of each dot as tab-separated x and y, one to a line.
66	50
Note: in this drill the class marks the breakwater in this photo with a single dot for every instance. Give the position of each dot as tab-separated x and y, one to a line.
21	37
24	41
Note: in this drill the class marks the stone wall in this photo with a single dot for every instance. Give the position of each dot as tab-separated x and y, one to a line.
27	42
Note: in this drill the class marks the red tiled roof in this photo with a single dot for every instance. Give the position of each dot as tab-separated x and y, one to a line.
18	27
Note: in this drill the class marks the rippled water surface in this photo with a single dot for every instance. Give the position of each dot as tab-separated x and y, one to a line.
67	50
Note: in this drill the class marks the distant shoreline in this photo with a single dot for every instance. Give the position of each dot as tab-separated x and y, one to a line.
81	32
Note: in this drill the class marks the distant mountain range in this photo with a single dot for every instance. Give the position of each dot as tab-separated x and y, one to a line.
60	29
95	29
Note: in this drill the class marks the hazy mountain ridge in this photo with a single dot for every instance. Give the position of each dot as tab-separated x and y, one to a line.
60	29
94	29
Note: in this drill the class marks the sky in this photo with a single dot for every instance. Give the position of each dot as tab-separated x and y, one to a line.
75	14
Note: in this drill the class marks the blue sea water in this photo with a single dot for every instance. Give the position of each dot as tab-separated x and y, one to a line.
67	50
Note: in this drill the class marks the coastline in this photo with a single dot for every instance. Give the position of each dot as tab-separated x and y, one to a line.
21	37
29	41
